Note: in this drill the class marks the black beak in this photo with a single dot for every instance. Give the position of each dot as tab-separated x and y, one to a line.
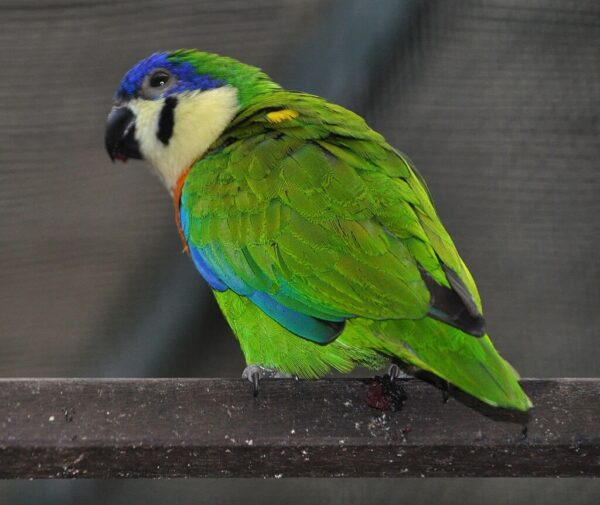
120	135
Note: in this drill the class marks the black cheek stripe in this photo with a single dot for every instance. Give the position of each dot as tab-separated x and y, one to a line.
167	120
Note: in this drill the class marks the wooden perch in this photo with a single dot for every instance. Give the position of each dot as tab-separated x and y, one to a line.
215	428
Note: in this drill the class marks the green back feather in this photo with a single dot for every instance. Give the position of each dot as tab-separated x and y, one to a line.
322	214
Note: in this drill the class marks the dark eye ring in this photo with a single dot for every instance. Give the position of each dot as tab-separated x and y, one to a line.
159	79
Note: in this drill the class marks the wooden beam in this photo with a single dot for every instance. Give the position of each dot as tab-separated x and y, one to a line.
88	428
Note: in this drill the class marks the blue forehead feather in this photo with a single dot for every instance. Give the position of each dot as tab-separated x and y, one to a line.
188	78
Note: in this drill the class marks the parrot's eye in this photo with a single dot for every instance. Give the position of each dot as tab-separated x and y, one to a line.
159	79
157	83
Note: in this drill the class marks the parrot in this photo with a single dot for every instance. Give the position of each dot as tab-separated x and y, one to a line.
319	240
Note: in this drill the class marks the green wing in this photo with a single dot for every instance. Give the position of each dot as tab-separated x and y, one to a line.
316	212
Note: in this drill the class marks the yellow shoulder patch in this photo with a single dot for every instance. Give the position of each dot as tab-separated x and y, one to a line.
277	116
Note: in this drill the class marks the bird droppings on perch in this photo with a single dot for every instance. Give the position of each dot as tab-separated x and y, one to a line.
385	393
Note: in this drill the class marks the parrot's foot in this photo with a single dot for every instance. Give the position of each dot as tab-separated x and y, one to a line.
445	392
386	393
254	374
395	372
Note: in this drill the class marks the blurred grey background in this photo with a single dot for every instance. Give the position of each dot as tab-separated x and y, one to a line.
497	102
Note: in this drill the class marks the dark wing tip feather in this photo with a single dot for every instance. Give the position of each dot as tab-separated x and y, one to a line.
337	327
462	291
453	306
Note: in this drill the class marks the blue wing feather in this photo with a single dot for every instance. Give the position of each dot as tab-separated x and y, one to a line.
220	278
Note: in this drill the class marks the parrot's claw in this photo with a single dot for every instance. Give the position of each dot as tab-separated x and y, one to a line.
395	372
445	392
254	374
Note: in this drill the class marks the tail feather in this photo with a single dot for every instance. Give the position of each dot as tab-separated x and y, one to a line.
471	363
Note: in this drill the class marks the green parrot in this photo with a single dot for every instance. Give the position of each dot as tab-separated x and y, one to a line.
319	240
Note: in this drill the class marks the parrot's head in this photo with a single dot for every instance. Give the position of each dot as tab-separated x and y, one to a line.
171	106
